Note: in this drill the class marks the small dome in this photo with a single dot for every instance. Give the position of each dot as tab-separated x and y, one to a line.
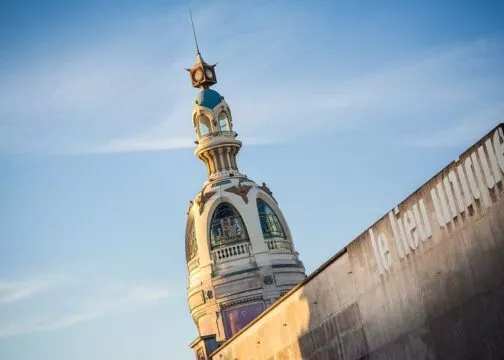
208	98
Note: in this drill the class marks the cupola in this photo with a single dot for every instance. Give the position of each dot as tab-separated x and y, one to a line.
239	250
213	125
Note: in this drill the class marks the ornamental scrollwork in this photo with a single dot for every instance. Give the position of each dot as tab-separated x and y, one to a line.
267	190
240	190
202	198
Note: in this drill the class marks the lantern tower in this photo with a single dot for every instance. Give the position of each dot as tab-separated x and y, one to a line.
239	249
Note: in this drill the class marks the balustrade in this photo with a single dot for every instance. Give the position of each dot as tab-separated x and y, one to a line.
279	245
212	137
231	252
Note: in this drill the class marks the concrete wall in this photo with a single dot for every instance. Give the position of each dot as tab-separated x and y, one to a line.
424	282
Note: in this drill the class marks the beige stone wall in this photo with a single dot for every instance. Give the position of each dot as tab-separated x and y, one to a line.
427	286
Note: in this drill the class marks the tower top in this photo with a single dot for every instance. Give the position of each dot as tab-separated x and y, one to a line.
202	74
192	24
230	221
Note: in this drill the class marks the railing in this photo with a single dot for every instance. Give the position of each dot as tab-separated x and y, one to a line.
193	263
279	245
218	135
231	252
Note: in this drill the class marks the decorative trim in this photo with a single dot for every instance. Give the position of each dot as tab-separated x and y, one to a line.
239	272
275	266
250	299
222	182
268	280
225	173
202	198
267	190
240	190
189	207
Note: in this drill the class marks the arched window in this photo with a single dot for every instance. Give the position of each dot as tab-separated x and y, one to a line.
203	125
270	224
227	226
223	122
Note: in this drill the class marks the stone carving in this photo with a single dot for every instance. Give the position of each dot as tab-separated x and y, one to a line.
190	206
268	279
267	190
201	354
240	190
203	198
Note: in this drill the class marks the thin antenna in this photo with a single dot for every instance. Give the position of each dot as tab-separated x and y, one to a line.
192	23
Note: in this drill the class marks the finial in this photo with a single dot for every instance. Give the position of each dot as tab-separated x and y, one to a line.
202	74
192	24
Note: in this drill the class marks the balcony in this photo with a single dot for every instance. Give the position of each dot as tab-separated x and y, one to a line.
279	245
231	252
218	136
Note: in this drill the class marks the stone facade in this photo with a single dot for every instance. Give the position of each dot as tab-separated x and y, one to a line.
239	249
255	271
426	281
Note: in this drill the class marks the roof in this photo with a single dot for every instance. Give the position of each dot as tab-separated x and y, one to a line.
208	98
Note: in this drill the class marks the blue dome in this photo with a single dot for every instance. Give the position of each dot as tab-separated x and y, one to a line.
208	98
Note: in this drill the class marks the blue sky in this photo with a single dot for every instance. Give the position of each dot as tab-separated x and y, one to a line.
344	109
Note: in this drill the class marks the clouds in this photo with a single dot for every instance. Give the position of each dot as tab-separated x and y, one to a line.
114	298
129	92
433	89
445	86
85	96
13	291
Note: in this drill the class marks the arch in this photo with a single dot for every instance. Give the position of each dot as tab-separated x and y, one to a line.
227	226
270	224
191	241
204	126
223	121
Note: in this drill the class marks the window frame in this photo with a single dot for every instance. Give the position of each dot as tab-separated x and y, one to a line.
226	119
234	219
202	119
271	225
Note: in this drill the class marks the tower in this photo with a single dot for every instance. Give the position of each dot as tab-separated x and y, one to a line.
239	249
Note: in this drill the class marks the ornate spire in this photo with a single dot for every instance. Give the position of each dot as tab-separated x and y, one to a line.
216	140
217	145
230	222
202	74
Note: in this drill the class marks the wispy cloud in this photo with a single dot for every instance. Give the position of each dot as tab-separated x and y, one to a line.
438	86
128	94
128	299
143	142
13	291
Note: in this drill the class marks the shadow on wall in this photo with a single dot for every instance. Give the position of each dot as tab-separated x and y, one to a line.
341	336
391	297
450	307
445	304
